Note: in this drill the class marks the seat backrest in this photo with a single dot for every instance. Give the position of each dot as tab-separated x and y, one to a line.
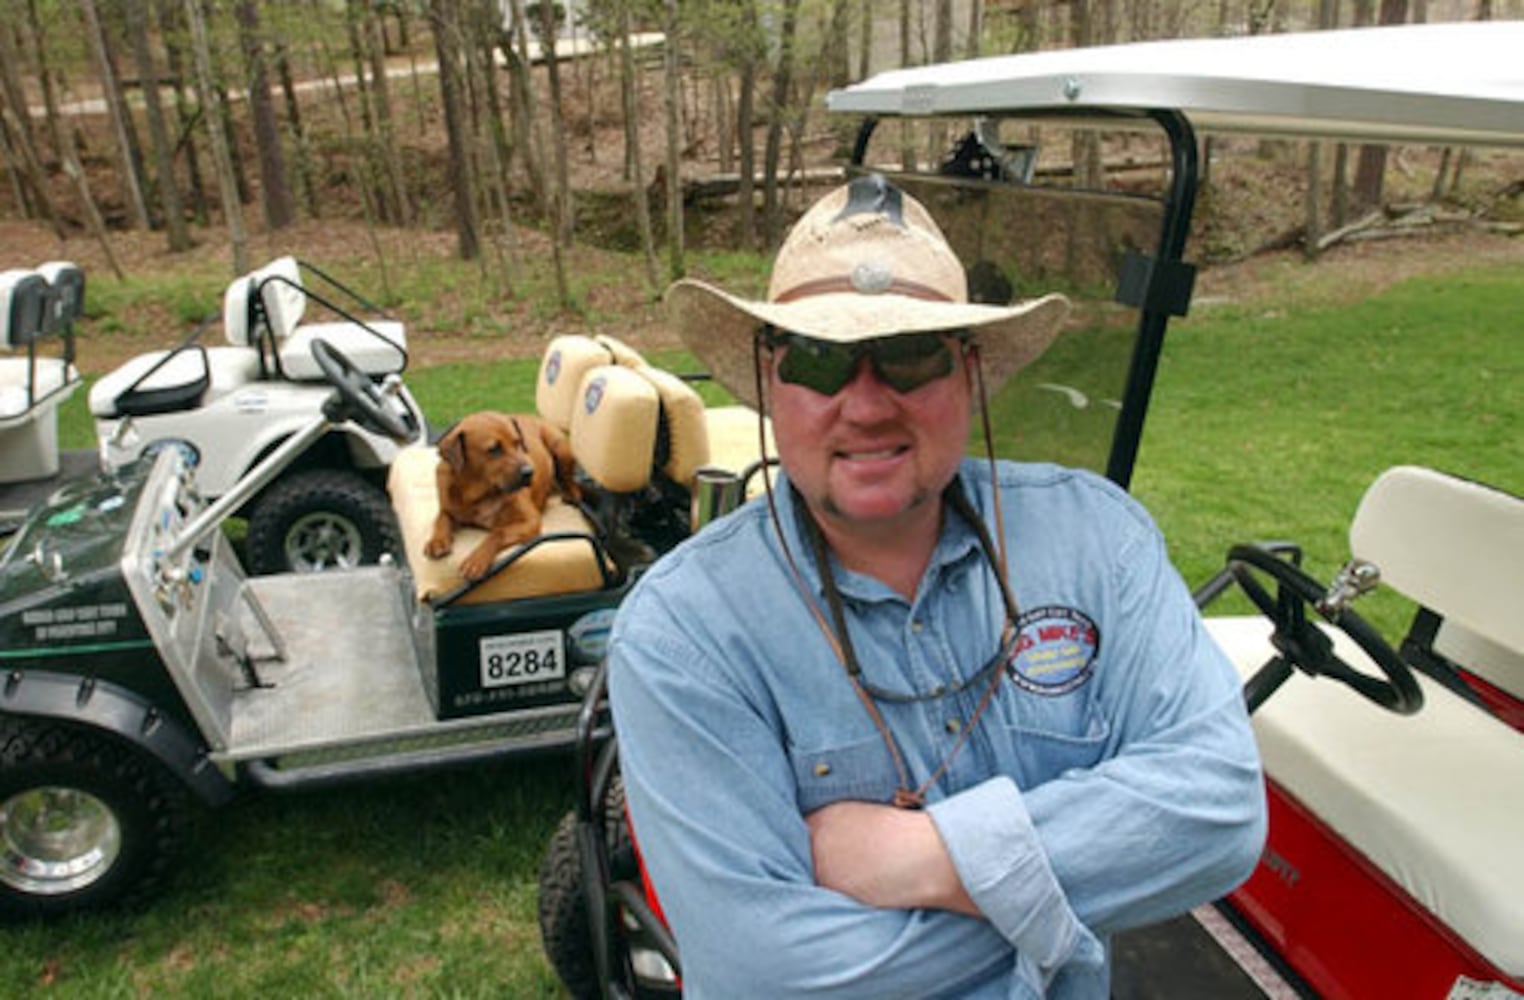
24	300
280	289
1456	547
66	281
683	446
558	388
614	427
270	299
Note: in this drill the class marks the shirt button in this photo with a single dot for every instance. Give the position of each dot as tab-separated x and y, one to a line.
916	626
954	726
822	769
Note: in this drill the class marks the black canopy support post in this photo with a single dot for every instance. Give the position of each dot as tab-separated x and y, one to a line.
1167	292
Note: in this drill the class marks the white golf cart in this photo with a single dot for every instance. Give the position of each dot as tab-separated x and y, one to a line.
1395	771
229	406
37	373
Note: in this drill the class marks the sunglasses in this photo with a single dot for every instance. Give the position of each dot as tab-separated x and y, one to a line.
903	362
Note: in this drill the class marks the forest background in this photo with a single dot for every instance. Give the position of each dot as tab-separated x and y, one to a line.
493	188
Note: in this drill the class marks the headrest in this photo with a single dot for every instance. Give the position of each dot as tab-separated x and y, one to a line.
236	321
68	283
280	288
558	389
23	307
622	353
613	427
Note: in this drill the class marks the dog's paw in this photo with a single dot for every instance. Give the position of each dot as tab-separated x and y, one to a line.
438	548
475	565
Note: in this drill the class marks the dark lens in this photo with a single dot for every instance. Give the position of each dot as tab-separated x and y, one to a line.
816	364
909	361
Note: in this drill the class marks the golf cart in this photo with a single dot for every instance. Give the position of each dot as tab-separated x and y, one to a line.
231	405
146	675
1394	770
37	374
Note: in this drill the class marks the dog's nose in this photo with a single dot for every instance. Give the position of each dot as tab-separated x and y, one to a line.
526	474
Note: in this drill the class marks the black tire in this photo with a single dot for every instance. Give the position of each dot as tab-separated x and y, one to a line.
564	930
320	519
86	822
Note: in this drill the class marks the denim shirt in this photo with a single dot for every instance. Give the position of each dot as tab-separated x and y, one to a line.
1112	782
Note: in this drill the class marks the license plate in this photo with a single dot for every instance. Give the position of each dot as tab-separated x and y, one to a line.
524	658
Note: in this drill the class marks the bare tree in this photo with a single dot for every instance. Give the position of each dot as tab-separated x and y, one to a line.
783	81
670	83
275	192
211	100
631	107
158	134
132	184
562	200
442	15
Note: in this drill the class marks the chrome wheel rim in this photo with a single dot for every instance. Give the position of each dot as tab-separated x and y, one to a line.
56	840
323	540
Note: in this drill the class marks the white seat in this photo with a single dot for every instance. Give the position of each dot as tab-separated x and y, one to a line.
1434	800
32	384
190	378
267	306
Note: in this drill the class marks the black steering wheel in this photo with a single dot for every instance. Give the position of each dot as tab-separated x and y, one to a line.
1300	643
360	398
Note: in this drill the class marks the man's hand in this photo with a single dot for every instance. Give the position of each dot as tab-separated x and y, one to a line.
885	857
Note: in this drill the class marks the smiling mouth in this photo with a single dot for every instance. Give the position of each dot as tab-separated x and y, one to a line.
876	454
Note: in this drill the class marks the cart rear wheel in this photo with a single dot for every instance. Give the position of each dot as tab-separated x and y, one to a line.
320	519
84	821
564	930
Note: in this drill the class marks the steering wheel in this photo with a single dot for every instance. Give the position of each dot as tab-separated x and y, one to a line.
1300	643
360	397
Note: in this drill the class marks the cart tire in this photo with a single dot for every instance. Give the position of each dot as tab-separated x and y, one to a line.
86	822
320	519
564	930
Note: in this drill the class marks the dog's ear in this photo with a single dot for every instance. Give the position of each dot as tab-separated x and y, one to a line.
452	448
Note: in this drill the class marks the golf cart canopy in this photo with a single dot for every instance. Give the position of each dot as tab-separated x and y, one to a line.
1441	84
1457	84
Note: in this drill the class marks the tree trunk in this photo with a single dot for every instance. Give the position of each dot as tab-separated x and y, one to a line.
164	156
521	98
563	194
401	202
121	124
631	103
753	49
442	13
676	267
276	194
304	177
185	112
783	82
1370	171
211	101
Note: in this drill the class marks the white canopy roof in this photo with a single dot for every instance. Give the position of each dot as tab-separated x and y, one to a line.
1434	83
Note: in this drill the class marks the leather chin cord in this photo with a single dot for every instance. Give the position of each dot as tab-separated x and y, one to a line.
839	638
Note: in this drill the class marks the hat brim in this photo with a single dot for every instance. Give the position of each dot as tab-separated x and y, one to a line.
719	327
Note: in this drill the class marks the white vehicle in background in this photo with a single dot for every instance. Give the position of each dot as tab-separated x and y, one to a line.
231	405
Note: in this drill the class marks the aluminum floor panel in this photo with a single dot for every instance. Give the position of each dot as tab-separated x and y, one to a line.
350	672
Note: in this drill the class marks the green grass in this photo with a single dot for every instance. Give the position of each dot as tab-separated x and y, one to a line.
1268	422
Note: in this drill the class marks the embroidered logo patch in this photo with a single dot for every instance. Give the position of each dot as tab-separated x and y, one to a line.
552	367
1055	650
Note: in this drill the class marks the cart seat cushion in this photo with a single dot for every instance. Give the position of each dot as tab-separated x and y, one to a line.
48	377
559	567
566	360
184	381
1430	799
614	428
376	348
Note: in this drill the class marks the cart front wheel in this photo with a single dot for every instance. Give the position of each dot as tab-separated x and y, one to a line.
320	519
84	821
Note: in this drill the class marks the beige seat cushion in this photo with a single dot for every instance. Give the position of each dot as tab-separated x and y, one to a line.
1432	799
558	567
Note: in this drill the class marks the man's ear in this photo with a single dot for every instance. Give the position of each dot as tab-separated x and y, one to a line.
452	448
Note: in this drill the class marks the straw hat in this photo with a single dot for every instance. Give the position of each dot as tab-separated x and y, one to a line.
865	261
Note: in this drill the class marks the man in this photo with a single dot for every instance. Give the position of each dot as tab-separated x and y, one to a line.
918	725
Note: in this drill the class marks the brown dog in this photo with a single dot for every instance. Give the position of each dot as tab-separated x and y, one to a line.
495	472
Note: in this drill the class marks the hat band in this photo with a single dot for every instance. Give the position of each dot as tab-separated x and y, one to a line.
844	283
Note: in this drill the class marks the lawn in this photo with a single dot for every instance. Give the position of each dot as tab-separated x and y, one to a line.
1269	421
